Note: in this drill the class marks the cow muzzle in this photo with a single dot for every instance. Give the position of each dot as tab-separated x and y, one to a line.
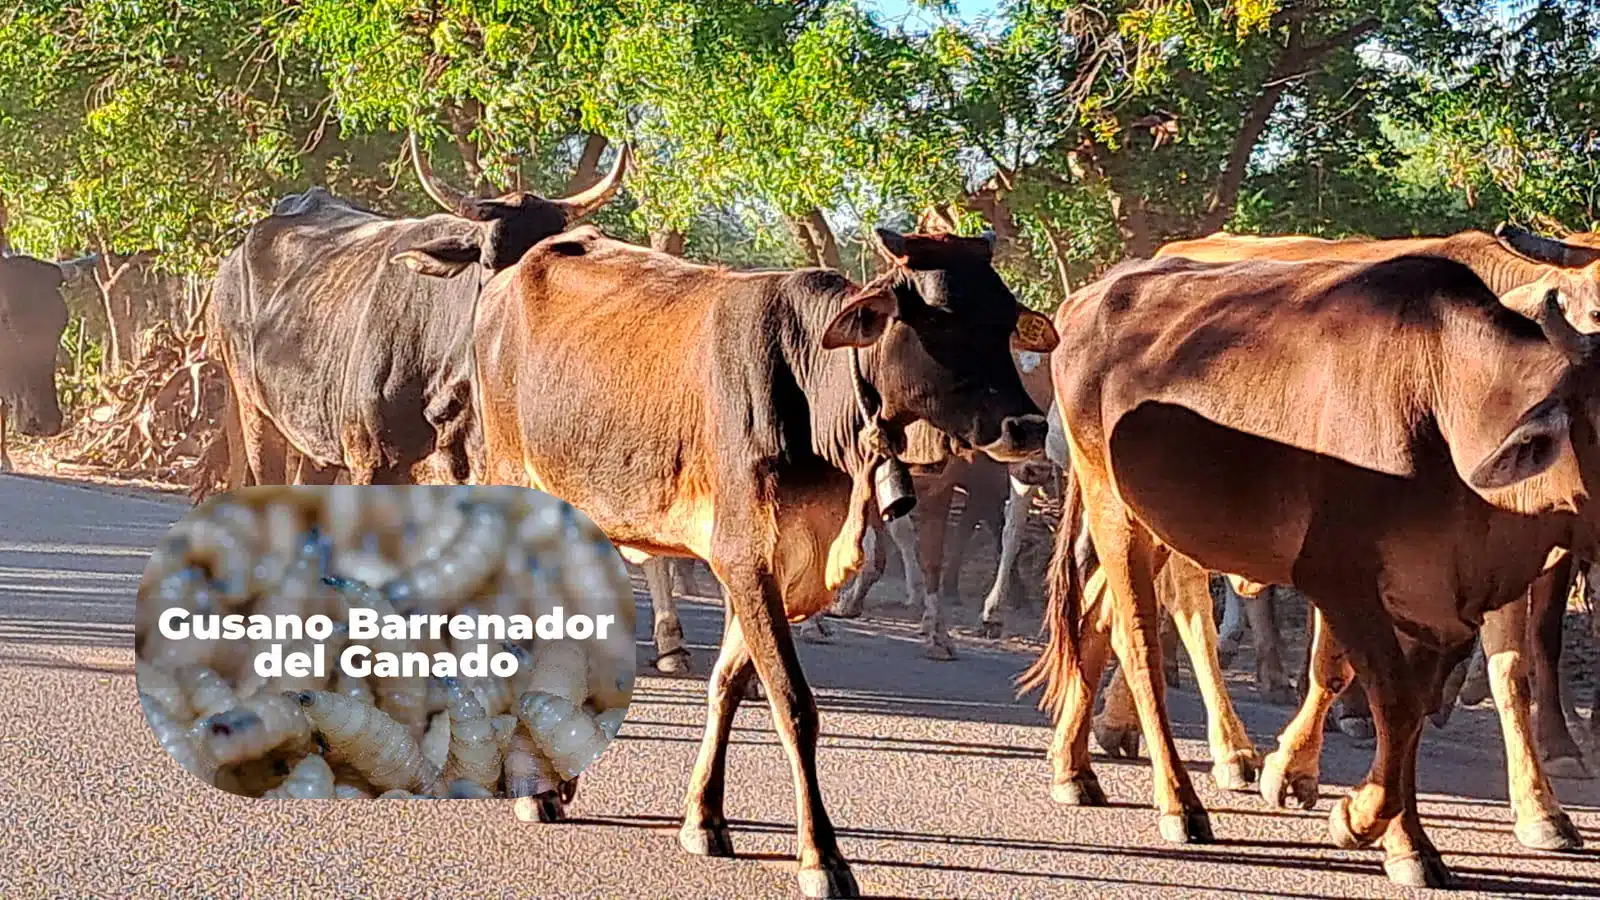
1021	439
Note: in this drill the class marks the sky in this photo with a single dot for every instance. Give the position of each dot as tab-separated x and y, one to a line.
913	17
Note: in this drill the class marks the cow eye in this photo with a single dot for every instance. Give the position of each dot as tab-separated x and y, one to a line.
1594	315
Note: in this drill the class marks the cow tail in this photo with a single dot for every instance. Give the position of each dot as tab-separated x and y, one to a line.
1062	608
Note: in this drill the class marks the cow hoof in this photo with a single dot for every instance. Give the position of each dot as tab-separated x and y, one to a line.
836	882
1118	741
706	840
1277	785
812	633
1356	727
753	690
1571	767
992	630
1441	717
546	807
1171	678
1189	827
1079	790
5	464
1339	830
847	609
674	662
1555	833
1419	870
943	652
1236	774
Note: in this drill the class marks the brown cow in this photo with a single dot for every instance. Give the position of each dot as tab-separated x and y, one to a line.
739	417
1515	264
1520	267
1386	437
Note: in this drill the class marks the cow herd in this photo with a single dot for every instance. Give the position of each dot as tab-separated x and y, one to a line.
1404	431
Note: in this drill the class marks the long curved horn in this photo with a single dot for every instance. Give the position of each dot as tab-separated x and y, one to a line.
581	205
1579	348
442	194
1541	249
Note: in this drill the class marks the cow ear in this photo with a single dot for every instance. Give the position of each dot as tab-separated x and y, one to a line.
1531	448
862	321
1034	333
442	258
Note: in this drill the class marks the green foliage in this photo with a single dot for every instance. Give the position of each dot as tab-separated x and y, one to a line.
1084	131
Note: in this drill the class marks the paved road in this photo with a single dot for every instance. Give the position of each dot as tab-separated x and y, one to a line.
935	775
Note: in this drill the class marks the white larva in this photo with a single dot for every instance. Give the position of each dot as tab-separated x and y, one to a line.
441	584
380	748
562	732
310	779
255	728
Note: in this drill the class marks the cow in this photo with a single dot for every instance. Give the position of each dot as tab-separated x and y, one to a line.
740	417
342	364
1519	266
1386	437
32	319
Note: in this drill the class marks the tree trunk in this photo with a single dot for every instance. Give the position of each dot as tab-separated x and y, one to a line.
122	341
667	241
818	242
5	237
463	119
588	170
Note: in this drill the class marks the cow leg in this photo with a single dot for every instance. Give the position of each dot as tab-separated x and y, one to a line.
1187	594
1295	768
852	598
932	519
1384	805
705	828
1547	613
5	458
1116	728
265	449
1475	685
1403	679
1230	634
1018	503
1541	825
1073	781
984	511
1128	555
1271	680
757	605
672	655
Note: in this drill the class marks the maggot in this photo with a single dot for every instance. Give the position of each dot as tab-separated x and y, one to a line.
436	743
563	733
176	740
208	693
219	544
310	779
160	686
474	750
255	728
466	789
376	745
441	584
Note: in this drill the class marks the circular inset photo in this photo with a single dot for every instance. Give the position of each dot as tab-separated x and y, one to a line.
387	642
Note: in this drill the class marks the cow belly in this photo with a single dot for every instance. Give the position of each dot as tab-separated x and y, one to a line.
1231	502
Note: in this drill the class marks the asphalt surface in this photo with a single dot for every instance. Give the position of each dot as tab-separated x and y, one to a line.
933	772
